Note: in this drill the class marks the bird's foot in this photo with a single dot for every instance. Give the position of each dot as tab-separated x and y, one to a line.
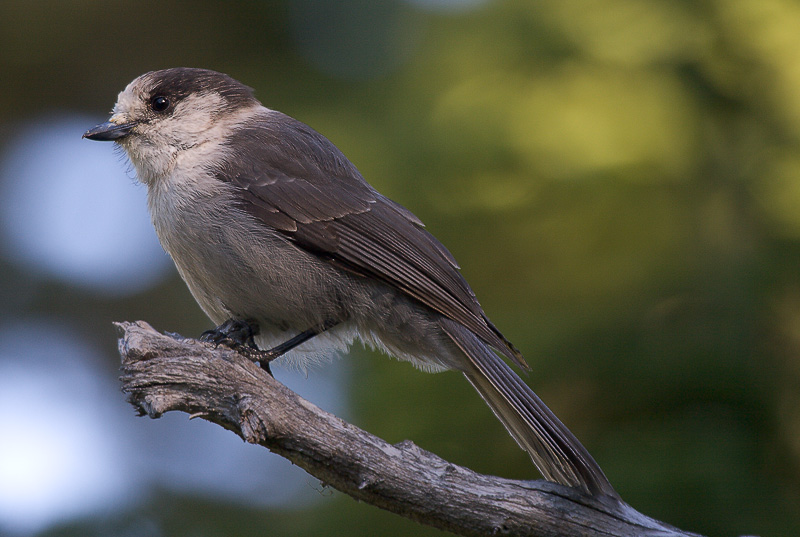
238	335
232	333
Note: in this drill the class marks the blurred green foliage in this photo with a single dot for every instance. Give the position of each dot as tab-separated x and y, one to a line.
619	179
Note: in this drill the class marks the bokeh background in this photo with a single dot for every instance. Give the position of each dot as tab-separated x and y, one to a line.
620	180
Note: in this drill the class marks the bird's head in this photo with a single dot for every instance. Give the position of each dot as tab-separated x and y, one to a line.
162	113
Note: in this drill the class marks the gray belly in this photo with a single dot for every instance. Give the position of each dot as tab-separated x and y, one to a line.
237	268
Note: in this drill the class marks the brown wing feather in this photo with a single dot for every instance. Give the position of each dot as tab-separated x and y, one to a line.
299	183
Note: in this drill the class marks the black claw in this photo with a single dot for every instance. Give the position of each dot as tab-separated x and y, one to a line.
233	333
238	335
213	336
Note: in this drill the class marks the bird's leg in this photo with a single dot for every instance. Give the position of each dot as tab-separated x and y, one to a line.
238	335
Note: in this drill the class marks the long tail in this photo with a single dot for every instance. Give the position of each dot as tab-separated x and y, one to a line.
555	451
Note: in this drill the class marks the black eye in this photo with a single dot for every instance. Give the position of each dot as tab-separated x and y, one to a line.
159	103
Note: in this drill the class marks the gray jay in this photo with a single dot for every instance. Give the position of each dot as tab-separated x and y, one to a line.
282	242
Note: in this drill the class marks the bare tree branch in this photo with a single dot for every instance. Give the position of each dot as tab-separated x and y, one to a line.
163	373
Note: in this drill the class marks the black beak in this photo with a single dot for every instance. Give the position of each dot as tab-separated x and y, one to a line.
107	132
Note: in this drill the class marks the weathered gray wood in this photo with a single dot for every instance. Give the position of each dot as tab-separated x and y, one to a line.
162	373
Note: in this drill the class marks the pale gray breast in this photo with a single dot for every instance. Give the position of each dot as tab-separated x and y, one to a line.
235	266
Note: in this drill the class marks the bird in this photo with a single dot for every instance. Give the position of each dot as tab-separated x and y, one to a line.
288	249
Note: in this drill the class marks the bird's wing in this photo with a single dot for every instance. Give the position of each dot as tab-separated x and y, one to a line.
295	181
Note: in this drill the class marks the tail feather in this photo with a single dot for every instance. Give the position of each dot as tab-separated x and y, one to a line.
555	451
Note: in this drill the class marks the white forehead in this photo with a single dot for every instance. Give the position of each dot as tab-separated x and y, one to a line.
133	94
138	92
127	99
